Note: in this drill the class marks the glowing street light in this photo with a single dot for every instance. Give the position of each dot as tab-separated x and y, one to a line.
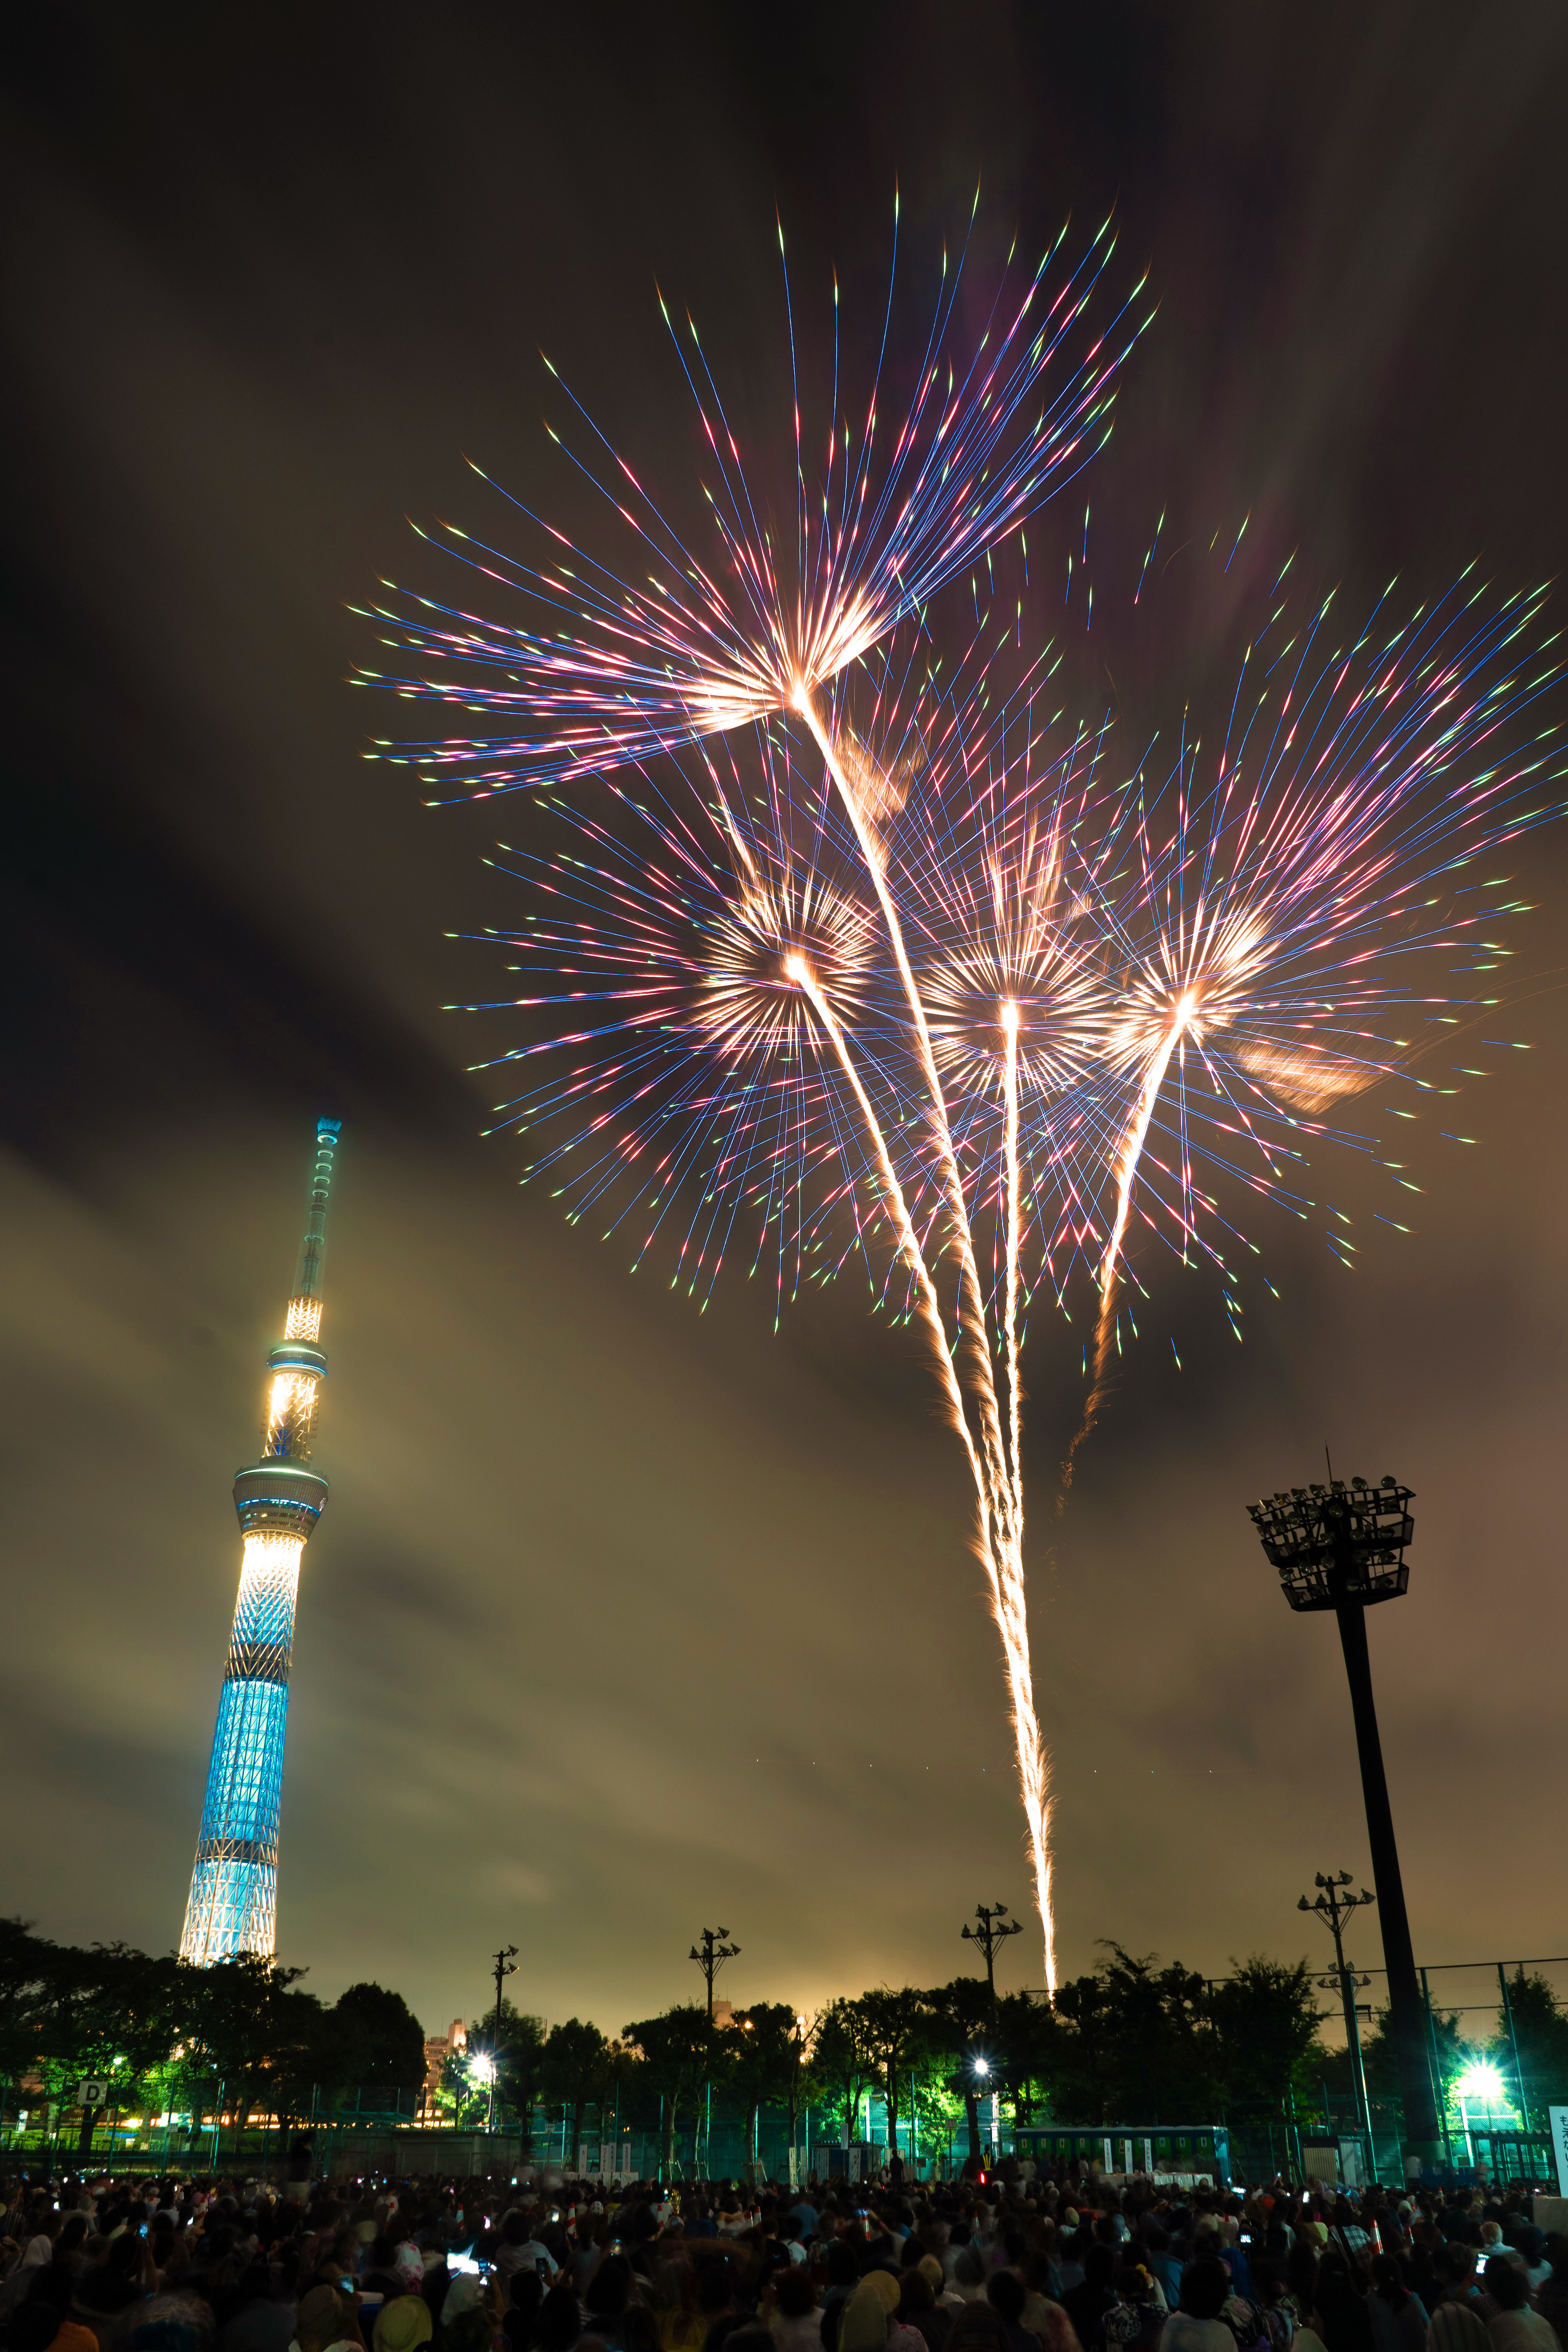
1482	2084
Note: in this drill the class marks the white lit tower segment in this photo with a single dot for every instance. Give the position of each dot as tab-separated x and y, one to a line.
233	1906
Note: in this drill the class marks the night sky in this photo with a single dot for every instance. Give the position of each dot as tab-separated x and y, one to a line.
625	1620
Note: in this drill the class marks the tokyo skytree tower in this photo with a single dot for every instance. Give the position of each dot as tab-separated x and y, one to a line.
233	1904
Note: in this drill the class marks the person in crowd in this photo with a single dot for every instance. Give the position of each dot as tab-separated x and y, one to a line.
610	2290
978	2328
1004	2293
1195	2325
1551	2295
325	2320
794	2318
1043	2313
1160	2262
404	2324
867	2314
1457	2323
1398	2316
524	2292
1137	2319
918	2305
1341	2314
41	2325
1530	2244
1514	2326
1456	2271
1087	2304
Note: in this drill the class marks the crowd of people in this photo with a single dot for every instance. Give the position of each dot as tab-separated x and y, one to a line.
1069	2264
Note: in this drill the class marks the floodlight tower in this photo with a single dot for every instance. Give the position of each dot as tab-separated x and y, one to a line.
1343	1547
712	1956
993	1929
233	1904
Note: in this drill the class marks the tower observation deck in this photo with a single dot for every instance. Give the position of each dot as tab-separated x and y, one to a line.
233	1904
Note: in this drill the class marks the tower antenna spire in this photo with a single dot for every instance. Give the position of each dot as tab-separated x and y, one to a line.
233	1904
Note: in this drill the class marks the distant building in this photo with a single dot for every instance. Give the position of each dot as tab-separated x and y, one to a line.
438	2048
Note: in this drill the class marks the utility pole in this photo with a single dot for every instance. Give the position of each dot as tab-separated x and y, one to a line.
1334	1908
711	1957
1343	1547
991	1934
503	1965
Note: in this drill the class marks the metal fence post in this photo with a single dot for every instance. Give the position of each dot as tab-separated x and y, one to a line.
1439	2090
1513	2040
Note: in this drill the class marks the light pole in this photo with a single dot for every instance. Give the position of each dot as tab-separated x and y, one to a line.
711	1957
503	1965
980	2069
1343	1547
993	1931
1334	1908
990	1935
797	2060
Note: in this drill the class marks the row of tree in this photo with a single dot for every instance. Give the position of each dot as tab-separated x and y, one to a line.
1134	2040
1131	2041
165	2035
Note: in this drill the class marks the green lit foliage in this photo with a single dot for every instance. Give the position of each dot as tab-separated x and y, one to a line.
845	2061
896	2031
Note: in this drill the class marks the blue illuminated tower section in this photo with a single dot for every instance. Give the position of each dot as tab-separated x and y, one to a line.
233	1906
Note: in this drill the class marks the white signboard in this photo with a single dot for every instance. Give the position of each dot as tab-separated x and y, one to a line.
93	2094
1560	2146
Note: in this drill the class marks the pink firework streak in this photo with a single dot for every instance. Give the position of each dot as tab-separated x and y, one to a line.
608	665
1285	896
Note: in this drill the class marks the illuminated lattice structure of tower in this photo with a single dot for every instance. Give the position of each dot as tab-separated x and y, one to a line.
232	1903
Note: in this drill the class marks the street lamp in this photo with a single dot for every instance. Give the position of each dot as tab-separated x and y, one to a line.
503	1965
979	2067
1480	2082
1342	1547
1334	1908
711	1957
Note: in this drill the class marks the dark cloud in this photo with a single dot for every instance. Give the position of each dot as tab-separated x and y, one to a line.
621	1618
